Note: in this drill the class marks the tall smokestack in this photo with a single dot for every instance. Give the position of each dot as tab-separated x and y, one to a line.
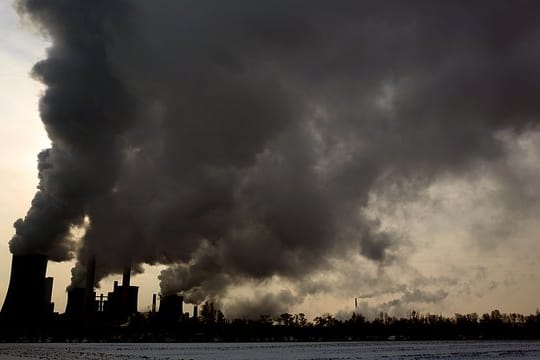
91	273
126	276
154	300
89	295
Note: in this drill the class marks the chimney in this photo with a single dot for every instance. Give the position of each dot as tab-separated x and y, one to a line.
195	312
101	303
90	273
154	303
89	295
126	276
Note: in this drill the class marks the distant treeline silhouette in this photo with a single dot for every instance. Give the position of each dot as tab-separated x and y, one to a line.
494	325
212	325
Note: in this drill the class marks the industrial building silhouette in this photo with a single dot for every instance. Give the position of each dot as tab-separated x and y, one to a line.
28	299
29	292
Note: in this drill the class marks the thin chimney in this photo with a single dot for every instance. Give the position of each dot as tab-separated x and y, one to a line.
90	273
154	303
126	276
89	298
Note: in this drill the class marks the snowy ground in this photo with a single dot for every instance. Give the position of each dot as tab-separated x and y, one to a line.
259	351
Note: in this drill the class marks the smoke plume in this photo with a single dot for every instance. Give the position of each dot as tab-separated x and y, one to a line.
85	110
240	140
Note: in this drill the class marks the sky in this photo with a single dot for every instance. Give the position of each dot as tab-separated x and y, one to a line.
278	159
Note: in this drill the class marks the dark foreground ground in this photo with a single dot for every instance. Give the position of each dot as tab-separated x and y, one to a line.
478	350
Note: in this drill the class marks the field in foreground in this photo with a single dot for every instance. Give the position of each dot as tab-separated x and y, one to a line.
236	351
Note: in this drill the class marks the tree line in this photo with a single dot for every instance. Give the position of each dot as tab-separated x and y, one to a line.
212	325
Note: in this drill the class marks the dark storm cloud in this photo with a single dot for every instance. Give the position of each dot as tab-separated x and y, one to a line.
261	127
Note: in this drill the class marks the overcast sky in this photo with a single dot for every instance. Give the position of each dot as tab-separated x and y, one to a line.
450	221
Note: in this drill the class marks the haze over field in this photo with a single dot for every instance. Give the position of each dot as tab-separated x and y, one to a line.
278	156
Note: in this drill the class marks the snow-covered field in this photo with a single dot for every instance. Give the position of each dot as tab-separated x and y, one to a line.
236	351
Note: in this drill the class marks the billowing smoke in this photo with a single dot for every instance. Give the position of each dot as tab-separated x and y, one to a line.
240	140
269	304
85	110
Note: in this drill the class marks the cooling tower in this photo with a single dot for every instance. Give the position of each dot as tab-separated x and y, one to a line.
171	308
75	303
81	302
28	295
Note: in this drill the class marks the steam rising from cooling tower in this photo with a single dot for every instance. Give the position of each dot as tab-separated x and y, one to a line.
85	110
239	140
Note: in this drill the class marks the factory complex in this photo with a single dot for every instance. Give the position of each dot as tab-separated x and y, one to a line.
28	299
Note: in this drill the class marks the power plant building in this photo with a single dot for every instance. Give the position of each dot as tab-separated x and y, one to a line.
117	306
28	299
122	301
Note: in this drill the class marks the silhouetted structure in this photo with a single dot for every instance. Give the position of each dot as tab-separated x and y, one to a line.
122	301
75	303
171	308
81	302
29	292
116	307
49	306
89	301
